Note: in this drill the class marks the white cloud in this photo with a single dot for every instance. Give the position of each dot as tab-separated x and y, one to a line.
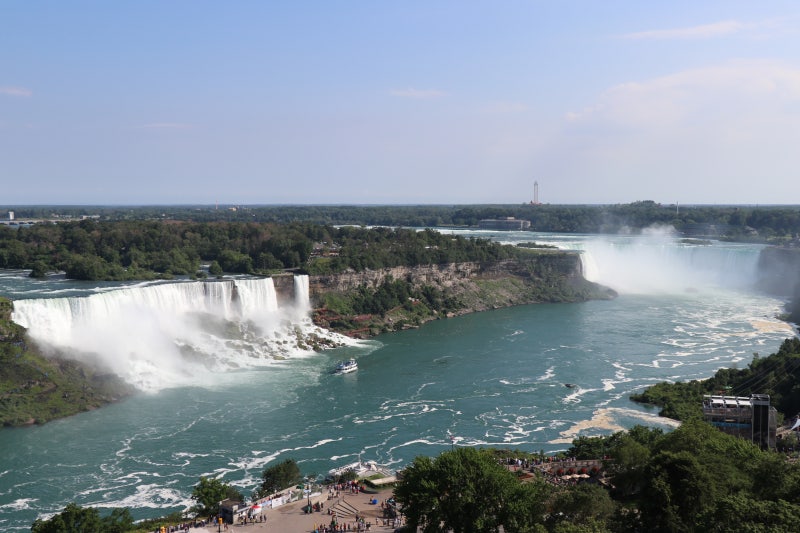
419	94
709	134
732	89
705	31
15	91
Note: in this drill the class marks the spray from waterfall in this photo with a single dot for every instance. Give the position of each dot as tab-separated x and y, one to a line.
660	262
176	333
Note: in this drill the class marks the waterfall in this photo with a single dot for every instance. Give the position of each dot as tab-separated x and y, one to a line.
256	296
301	297
660	265
171	333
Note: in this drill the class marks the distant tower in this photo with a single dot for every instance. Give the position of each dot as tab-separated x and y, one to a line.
535	193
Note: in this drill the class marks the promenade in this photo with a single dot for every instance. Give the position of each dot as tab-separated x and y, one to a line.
291	518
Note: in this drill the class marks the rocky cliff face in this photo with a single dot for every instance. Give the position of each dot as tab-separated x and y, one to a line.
549	276
566	266
779	274
779	270
284	287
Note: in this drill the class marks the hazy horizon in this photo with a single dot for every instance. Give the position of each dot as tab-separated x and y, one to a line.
344	204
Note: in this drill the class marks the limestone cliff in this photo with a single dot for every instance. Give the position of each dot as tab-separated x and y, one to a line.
544	276
779	275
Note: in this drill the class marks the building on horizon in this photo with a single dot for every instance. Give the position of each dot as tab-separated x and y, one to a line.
535	200
507	223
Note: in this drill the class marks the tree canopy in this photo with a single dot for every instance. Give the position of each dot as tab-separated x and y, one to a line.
121	250
466	490
776	223
77	519
279	477
144	242
209	492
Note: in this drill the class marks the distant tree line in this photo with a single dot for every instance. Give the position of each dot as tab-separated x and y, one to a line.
761	223
144	249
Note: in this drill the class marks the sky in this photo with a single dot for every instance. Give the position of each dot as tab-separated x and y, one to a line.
399	102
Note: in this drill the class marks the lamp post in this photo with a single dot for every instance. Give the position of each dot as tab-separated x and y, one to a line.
308	493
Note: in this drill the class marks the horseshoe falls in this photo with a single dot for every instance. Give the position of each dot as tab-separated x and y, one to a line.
230	385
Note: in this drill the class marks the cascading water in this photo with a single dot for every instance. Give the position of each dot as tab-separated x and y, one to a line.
175	333
301	297
493	379
661	265
657	261
256	297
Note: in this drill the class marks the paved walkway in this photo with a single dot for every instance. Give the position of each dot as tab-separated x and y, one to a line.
291	518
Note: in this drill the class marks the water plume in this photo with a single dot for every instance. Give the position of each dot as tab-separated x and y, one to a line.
658	261
177	333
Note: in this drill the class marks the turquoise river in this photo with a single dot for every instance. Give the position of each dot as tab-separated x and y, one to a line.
249	396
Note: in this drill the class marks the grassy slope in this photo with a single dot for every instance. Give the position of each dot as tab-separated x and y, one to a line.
35	389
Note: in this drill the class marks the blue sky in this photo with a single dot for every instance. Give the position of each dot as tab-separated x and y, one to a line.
407	102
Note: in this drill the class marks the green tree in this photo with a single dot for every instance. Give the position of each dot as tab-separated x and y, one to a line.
119	521
348	475
279	477
89	268
463	490
525	508
588	447
583	504
39	270
214	269
209	492
233	261
77	519
742	514
630	458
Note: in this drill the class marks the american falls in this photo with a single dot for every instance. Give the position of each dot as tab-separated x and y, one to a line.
171	334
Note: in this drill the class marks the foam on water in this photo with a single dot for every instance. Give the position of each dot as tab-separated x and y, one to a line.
493	379
185	332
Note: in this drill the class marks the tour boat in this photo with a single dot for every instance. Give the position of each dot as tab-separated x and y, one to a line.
345	367
361	468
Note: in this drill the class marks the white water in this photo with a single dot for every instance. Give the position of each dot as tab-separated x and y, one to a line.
176	333
662	265
301	294
488	379
655	262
